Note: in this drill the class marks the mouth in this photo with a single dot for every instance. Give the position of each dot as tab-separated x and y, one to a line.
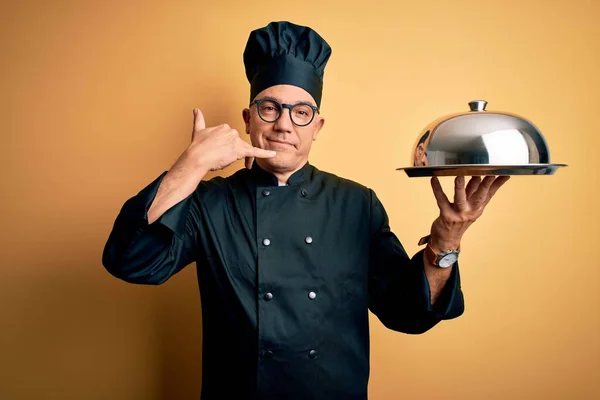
280	142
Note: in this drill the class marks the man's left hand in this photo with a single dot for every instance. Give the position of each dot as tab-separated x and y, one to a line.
469	202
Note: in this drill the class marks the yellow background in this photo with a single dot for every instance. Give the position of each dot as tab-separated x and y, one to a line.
96	100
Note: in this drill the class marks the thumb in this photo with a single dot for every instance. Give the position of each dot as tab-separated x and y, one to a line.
199	123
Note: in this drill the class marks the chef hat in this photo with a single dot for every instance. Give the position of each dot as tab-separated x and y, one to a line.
286	53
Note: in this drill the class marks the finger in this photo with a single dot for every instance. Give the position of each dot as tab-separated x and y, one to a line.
249	161
472	186
199	122
480	195
498	182
440	196
460	195
257	152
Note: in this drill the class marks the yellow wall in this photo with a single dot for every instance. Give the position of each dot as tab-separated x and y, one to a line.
96	100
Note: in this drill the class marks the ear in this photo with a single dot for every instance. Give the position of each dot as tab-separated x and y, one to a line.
246	117
318	126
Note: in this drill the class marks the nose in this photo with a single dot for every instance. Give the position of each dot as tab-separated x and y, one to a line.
284	123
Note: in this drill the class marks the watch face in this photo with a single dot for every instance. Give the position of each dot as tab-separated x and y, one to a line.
448	260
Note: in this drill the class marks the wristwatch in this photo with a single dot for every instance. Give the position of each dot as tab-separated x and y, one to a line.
443	259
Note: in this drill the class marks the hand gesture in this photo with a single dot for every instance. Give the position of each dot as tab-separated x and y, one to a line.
217	147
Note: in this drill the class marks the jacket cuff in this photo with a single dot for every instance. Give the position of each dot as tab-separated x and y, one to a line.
136	208
450	302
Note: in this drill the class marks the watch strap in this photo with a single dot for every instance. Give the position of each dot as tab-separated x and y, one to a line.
424	240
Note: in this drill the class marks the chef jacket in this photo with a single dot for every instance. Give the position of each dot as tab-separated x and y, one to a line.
287	275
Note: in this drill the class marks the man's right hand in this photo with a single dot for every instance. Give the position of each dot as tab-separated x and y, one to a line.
211	149
218	147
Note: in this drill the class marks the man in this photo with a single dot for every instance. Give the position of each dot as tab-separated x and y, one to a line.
290	259
420	156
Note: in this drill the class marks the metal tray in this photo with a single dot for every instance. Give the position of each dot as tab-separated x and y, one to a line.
481	170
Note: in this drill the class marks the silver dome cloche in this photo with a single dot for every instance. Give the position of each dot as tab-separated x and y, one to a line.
480	142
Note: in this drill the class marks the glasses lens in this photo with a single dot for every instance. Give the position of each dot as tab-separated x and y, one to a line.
269	110
302	114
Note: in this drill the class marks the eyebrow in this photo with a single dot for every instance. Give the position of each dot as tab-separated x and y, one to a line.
277	100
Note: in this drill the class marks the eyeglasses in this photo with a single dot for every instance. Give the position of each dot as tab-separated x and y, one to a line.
269	110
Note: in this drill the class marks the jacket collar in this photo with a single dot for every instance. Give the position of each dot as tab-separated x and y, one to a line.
265	178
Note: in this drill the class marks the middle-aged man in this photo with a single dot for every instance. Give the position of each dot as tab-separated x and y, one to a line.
289	258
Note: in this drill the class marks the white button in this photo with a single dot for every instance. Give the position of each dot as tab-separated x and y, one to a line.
312	295
266	242
308	239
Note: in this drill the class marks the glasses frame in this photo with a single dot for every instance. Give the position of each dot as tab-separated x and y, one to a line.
290	107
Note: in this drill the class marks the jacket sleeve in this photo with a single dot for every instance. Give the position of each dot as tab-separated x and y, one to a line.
143	253
399	293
